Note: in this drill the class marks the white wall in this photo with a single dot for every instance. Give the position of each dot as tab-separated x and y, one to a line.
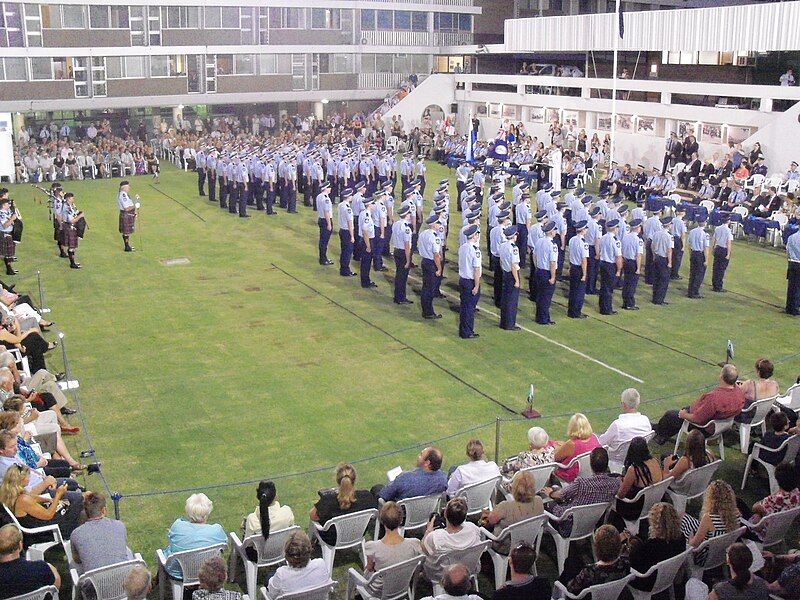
436	89
6	146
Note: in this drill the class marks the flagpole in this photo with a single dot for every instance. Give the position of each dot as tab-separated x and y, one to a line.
614	93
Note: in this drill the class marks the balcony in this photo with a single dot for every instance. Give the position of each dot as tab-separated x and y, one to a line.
380	81
441	38
397	38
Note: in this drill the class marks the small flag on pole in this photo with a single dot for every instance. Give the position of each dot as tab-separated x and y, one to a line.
530	413
621	21
471	139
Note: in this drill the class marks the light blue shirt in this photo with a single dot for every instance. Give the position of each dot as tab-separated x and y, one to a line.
469	259
662	242
546	253
722	235
509	256
632	245
578	250
429	244
698	239
610	248
793	247
185	535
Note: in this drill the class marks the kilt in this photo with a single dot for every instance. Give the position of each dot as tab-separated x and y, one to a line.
69	235
7	246
127	222
56	231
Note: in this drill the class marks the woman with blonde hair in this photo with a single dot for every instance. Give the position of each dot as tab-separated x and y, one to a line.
664	541
580	439
341	500
718	516
525	504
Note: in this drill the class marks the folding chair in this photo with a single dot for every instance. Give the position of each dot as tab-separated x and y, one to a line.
692	484
269	553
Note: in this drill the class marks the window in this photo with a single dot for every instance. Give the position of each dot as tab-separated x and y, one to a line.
41	68
224	64
443	22
212	16
133	67
73	16
367	19
336	63
14	69
114	67
272	64
419	63
263	25
367	63
102	16
119	17
287	18
402	20
465	23
51	16
230	17
11	26
402	63
419	21
159	66
383	63
62	68
384	19
33	24
244	64
182	17
325	18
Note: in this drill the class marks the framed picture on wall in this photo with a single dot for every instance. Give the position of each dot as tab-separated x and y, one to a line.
736	135
481	110
624	123
570	118
604	122
495	111
686	128
711	133
646	125
509	111
537	114
553	115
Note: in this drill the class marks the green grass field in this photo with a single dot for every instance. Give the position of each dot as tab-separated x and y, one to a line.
252	361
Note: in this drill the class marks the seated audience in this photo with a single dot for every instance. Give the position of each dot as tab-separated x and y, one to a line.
137	584
193	531
785	570
392	548
476	470
342	500
609	566
300	571
525	504
456	534
664	541
695	454
18	575
718	516
780	432
630	424
523	585
269	515
723	402
641	471
425	480
763	386
456	583
786	498
541	451
212	576
581	439
743	584
26	451
100	541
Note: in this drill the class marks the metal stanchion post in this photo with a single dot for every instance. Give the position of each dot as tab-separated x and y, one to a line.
116	497
497	440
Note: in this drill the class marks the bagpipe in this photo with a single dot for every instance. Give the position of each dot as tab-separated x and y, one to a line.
80	226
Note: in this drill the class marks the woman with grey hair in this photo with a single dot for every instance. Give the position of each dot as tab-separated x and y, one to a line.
540	451
212	575
193	531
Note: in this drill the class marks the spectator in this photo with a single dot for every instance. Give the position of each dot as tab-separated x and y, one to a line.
787	79
456	583
786	498
392	548
523	585
610	564
630	424
541	451
641	470
581	439
18	575
743	584
269	515
664	541
718	516
100	541
427	479
457	534
193	531
762	386
344	499
773	439
300	571
723	402
525	504
137	584
212	575
695	455
478	469
787	568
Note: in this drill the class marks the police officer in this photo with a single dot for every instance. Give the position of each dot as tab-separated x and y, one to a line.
469	281
401	241
509	263
662	246
632	252
222	179
270	182
325	222
679	238
699	244
211	174
593	234
546	259
346	233
378	210
127	214
233	180
793	275
288	189
722	242
366	230
430	251
523	214
496	235
70	216
610	266
7	246
650	227
200	167
578	270
535	233
242	176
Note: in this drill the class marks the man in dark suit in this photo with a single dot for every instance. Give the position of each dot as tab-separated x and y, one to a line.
673	153
690	176
773	203
720	197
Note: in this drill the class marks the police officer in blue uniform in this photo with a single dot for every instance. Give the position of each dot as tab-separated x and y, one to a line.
793	275
366	230
200	167
679	238
662	246
430	250
401	243
578	270
346	233
610	266
546	256
496	238
722	242
535	233
632	252
699	244
594	232
325	222
509	263
469	282
649	228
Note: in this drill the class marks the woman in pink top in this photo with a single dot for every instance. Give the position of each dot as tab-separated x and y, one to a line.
581	439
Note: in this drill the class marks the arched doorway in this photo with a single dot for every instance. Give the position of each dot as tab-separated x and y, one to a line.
432	114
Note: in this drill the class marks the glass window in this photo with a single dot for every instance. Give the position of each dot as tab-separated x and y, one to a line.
402	20
74	16
367	63
384	19
465	23
114	67
192	16
173	20
159	66
383	63
419	63
419	21
62	68
119	17
51	16
213	17
284	62
230	17
224	64
343	63
267	65
243	64
134	67
99	17
15	69
41	67
293	18
367	19
325	18
402	63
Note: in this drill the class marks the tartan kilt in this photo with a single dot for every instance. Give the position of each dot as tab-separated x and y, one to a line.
7	246
127	222
56	231
69	235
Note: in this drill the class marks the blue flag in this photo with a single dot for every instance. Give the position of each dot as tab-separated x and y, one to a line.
621	21
500	150
471	139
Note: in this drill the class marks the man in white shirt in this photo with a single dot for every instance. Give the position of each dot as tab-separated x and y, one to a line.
477	469
630	424
456	584
458	534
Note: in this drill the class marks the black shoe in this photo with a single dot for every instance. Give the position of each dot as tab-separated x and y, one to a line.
613	312
630	308
244	216
325	263
351	274
63	254
10	271
441	295
129	249
93	468
433	316
581	316
406	301
87	453
382	269
61	376
372	284
473	335
75	265
675	277
719	291
66	411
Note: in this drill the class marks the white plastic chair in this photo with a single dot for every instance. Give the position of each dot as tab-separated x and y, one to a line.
708	205
791	446
396	581
584	519
774	236
106	581
602	591
528	530
541	475
418	511
469	557
757	412
584	464
391	143
715	549
738	228
189	562
36	551
754	182
648	496
320	592
478	495
792	185
773	528
269	553
350	531
678	168
720	427
791	399
622	450
666	573
41	594
692	484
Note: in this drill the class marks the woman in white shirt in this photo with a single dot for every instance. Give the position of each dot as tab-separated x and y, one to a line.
478	469
300	572
269	515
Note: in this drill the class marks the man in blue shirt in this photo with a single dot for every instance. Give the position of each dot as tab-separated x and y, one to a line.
427	479
793	275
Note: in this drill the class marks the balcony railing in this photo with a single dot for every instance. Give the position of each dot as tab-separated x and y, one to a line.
380	81
452	39
397	38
